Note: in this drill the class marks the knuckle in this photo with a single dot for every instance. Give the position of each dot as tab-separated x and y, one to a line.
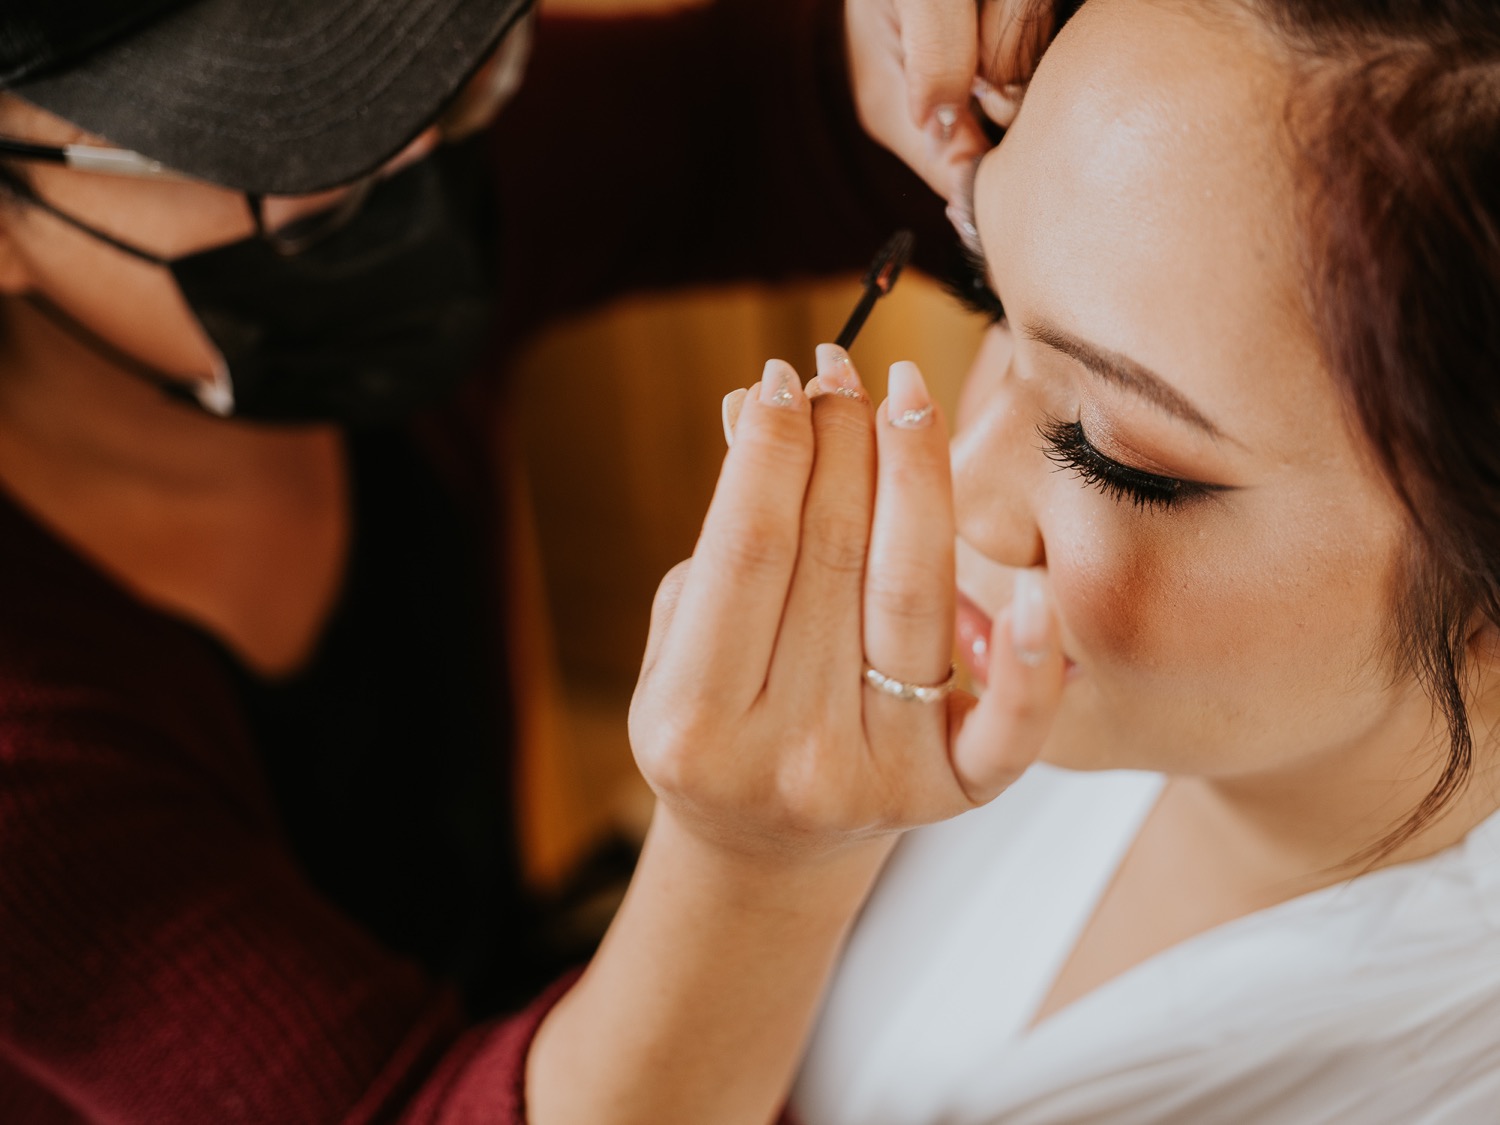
1022	709
837	542
904	601
663	747
915	465
756	551
812	798
754	547
669	589
774	444
840	419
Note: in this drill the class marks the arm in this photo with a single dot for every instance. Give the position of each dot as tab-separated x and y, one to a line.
781	778
162	960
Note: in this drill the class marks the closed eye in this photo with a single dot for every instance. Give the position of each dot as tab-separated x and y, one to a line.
1065	444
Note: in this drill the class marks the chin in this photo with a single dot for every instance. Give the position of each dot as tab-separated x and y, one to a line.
1087	745
1081	758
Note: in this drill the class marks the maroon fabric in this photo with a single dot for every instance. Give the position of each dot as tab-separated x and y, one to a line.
162	959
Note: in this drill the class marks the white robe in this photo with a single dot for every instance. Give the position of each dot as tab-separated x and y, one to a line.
1372	1002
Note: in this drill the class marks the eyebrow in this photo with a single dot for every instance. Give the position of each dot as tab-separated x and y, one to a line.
1110	366
1124	372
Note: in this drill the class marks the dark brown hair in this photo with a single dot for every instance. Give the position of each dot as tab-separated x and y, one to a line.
1395	116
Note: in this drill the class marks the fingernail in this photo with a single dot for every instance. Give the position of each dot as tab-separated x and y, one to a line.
779	385
908	403
999	105
946	119
961	222
734	402
836	374
1030	623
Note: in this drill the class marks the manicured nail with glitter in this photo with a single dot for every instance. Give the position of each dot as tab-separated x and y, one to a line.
836	375
999	105
946	117
779	385
962	223
1030	621
734	402
908	404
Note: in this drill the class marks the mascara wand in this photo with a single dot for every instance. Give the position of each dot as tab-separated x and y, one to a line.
879	279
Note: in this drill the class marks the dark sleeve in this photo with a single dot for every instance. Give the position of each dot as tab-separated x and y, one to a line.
710	145
163	961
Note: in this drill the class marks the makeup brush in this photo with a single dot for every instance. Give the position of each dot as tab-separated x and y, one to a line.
879	279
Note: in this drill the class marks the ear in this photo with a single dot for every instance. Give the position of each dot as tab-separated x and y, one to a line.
1483	640
1482	651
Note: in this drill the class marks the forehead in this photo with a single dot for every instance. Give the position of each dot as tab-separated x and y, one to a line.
1144	200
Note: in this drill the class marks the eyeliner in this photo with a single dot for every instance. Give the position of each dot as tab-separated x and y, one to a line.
879	280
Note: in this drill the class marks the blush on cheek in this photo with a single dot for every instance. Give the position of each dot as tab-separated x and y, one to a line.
1112	592
1144	607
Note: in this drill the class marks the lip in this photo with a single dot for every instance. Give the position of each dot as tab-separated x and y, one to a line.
972	629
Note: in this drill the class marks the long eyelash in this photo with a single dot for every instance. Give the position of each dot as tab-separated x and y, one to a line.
1069	448
972	288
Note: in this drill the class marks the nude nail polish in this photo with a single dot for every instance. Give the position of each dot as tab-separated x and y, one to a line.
1029	618
946	118
779	385
909	405
836	374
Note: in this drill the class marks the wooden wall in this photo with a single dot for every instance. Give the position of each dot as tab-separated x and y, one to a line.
619	417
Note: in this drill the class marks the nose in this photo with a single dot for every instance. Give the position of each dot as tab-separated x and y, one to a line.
997	463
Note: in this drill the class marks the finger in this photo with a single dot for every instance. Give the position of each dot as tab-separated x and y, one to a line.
908	596
940	48
663	611
1003	733
728	613
999	104
733	403
881	77
819	647
948	166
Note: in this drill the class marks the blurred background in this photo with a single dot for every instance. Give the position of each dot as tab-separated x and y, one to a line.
618	420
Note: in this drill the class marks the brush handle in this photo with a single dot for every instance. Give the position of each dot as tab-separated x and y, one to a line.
857	318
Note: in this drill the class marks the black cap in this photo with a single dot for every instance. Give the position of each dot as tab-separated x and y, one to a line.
275	96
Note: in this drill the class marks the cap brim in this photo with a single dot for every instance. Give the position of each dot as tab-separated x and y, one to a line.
280	97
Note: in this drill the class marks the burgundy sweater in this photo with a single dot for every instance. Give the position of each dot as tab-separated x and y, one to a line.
166	957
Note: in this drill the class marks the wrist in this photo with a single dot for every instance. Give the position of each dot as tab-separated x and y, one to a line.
832	876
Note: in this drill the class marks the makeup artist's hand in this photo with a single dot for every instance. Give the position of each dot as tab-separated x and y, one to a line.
913	64
830	541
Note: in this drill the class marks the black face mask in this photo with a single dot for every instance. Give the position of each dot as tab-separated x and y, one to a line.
380	318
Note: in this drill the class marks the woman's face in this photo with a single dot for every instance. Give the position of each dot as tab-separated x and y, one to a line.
1139	226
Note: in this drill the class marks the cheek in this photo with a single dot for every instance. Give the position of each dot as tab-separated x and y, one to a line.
1195	625
1112	586
133	305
